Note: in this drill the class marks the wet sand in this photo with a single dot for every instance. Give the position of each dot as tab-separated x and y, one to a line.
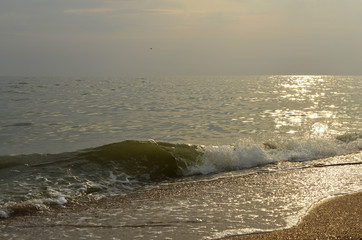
334	218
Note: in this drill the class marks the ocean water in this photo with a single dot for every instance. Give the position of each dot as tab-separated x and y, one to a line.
257	151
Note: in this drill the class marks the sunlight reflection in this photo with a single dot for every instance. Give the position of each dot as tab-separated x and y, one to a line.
313	115
319	129
298	88
299	106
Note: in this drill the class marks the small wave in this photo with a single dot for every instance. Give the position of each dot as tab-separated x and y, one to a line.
37	181
161	160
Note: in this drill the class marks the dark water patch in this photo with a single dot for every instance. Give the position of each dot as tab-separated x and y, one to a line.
20	99
20	124
349	137
336	164
23	209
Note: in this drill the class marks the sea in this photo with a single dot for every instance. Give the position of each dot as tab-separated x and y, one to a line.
188	157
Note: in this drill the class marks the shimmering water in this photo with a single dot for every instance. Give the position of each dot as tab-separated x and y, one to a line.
49	115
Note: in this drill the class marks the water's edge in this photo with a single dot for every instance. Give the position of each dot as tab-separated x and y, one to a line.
162	206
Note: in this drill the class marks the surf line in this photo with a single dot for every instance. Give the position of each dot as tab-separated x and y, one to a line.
100	226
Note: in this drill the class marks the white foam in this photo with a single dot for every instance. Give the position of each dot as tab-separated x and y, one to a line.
4	213
311	148
57	197
235	232
230	157
247	154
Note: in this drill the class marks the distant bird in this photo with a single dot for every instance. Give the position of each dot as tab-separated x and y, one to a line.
150	48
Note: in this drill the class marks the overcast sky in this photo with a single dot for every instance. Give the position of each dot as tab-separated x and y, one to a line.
187	37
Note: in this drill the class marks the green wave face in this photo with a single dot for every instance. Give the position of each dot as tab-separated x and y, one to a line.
139	158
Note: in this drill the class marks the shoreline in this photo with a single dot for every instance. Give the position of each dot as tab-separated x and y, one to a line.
338	217
143	212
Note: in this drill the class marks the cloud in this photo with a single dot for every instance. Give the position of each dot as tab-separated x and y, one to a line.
122	11
91	10
163	11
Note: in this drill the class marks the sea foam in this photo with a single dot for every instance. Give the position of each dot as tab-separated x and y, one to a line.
248	154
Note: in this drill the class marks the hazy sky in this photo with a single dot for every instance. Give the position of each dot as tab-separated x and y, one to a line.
187	37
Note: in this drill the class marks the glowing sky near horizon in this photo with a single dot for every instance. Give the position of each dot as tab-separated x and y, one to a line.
187	37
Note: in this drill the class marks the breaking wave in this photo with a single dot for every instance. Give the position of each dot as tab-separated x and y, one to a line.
37	181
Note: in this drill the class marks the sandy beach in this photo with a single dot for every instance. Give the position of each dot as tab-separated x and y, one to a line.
334	218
